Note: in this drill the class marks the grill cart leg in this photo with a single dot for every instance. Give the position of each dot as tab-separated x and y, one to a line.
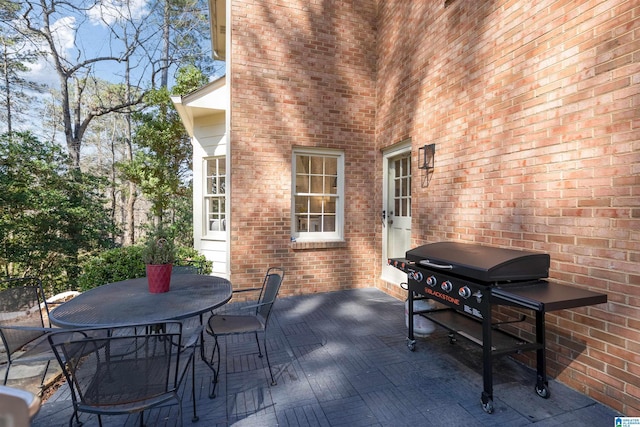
487	403
411	342
452	338
542	385
487	363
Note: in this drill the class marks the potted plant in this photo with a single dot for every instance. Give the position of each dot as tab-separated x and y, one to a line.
158	255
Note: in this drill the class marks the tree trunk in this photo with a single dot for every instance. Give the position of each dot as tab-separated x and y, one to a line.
7	90
130	228
164	76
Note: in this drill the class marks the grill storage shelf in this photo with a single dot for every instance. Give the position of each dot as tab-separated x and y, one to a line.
471	329
467	281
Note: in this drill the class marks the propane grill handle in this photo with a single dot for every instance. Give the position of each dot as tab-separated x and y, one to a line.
428	263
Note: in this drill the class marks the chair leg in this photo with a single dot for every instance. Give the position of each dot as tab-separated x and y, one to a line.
266	353
258	342
216	370
193	387
44	376
74	415
6	373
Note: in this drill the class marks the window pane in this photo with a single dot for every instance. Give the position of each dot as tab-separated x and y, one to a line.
211	167
315	204
330	185
317	165
316	184
217	223
315	226
331	166
302	224
302	183
329	223
222	184
330	205
302	204
302	164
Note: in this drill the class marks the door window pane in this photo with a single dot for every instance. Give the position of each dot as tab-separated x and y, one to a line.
402	187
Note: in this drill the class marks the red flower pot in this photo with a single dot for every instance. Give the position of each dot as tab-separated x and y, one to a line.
159	277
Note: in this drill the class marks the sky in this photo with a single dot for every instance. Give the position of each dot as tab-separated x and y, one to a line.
81	36
74	33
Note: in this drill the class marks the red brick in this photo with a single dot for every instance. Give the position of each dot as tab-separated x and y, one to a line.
533	107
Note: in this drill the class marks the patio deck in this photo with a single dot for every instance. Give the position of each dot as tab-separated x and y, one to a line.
340	358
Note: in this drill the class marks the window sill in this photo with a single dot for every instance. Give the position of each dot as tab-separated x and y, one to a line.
318	245
213	239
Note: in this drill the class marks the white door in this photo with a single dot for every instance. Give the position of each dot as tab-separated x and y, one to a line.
396	210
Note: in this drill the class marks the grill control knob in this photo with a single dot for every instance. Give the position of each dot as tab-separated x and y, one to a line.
478	296
446	286
431	281
418	276
464	292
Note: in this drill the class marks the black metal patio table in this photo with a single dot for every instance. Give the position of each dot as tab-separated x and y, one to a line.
130	301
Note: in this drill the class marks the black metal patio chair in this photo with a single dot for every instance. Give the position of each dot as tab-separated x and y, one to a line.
187	267
225	324
24	325
125	369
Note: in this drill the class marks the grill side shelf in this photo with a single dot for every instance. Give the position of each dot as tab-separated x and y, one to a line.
471	329
547	296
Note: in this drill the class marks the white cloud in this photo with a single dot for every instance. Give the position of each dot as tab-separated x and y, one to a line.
107	12
63	32
44	73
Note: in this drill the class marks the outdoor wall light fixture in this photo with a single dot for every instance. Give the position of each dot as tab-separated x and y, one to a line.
426	156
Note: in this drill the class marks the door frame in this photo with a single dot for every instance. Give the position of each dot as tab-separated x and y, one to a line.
388	273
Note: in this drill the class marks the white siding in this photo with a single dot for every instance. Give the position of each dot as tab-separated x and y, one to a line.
209	139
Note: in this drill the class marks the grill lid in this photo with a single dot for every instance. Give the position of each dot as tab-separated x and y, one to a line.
483	263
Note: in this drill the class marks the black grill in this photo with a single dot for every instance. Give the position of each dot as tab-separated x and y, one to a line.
481	263
468	280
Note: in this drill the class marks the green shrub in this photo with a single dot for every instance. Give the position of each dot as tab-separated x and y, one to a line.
110	266
125	263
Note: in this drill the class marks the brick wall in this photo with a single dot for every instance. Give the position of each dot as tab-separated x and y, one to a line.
535	111
302	75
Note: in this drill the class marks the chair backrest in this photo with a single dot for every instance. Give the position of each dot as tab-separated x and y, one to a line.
187	266
124	365
22	303
270	288
18	406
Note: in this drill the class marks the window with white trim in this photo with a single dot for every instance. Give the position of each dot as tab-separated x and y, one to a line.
317	206
214	196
